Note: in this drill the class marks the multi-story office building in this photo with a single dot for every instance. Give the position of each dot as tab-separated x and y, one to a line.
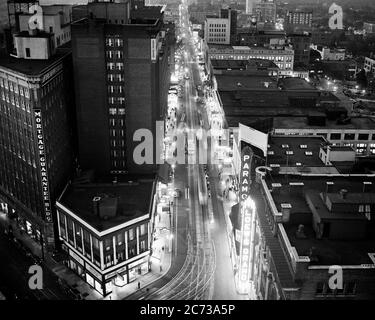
232	16
283	58
265	11
298	20
260	37
222	29
308	219
106	231
36	131
330	54
301	43
369	65
125	60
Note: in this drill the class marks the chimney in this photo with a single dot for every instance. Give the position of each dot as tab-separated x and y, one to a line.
329	186
296	187
96	205
343	193
366	186
285	210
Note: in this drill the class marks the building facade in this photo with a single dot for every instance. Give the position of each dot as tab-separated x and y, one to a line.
297	20
126	60
295	242
106	241
266	11
283	58
369	65
36	140
301	45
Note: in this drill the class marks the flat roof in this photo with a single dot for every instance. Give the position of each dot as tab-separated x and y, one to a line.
296	148
245	82
294	83
329	251
33	67
134	200
356	123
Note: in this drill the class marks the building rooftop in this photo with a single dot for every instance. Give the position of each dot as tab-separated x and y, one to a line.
294	83
329	251
242	82
34	67
295	152
304	190
122	201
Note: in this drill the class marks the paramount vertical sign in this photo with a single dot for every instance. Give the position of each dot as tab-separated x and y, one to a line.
247	216
245	175
43	165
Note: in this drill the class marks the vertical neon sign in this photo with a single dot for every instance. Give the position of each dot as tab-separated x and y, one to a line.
247	213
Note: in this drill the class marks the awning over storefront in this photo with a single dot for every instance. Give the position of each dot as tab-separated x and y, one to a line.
163	174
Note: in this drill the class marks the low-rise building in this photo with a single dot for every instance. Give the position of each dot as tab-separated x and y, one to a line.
310	221
283	58
330	54
106	231
369	64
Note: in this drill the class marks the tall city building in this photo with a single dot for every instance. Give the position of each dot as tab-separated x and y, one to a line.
298	20
222	29
266	11
122	78
36	131
250	6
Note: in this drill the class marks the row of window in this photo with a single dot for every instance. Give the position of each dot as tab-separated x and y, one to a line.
246	57
118	54
14	87
116	100
114	42
81	239
115	77
117	111
351	136
217	25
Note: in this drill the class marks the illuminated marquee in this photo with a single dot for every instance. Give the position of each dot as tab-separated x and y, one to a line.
43	165
247	216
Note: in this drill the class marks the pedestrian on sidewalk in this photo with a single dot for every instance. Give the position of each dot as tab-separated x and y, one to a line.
161	268
139	285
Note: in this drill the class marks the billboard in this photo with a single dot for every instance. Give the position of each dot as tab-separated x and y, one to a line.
253	137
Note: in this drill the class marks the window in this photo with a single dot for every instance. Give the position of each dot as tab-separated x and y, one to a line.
289	152
349	136
62	225
308	153
143	229
131	234
143	246
27	52
360	208
363	136
335	136
120	239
